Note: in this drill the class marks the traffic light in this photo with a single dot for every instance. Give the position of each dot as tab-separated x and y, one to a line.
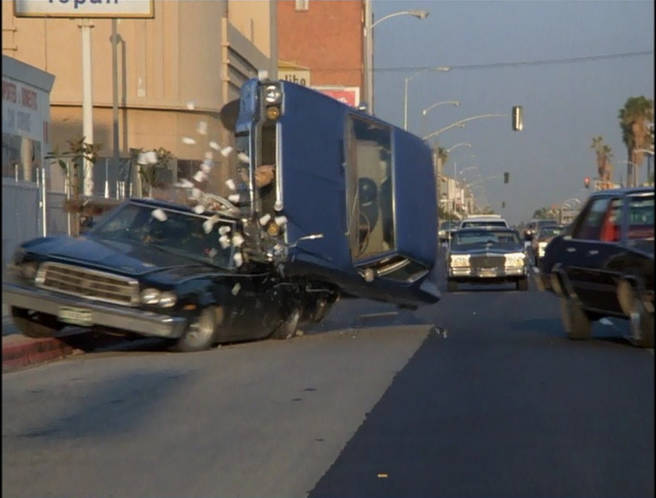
586	182
517	118
506	177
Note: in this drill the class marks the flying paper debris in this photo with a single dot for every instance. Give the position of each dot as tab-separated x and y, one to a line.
225	152
215	145
230	183
202	127
159	214
243	157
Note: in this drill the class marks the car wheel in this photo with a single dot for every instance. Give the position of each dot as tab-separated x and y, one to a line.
34	324
575	321
522	284
287	328
200	333
451	285
642	325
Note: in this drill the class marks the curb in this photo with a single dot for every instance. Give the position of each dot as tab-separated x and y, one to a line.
19	351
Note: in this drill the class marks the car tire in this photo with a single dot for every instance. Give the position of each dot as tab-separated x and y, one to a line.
451	285
575	320
522	284
200	333
287	329
641	325
36	325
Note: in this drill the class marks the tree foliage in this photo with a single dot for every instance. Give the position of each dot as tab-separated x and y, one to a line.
604	154
635	118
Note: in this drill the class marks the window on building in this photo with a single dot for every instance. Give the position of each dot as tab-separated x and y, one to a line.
302	4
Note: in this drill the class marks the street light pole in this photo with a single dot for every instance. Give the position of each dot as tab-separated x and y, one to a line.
405	89
462	122
368	45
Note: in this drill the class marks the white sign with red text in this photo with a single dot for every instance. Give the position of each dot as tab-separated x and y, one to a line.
349	95
25	110
84	8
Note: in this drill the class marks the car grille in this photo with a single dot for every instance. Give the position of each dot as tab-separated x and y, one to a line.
88	284
487	261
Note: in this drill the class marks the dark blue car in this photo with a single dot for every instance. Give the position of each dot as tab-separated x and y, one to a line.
603	264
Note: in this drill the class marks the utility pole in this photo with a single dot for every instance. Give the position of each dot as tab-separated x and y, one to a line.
87	101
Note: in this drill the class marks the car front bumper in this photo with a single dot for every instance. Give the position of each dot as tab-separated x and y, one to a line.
135	320
486	273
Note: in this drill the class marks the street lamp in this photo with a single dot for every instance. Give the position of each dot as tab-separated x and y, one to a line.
405	89
368	45
432	106
461	144
461	123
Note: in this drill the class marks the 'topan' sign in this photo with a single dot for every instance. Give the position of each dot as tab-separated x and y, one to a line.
84	8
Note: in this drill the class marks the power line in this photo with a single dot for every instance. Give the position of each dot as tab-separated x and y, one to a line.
491	65
569	60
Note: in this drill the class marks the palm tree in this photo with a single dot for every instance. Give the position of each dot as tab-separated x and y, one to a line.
635	118
604	154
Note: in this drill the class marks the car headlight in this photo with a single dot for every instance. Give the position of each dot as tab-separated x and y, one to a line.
515	259
22	268
272	94
457	260
150	296
167	299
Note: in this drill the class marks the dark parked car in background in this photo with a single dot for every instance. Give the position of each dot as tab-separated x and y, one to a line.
486	255
604	264
446	229
535	225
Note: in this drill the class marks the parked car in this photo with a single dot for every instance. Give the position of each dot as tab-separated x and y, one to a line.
534	225
480	255
154	268
604	264
483	220
446	229
542	237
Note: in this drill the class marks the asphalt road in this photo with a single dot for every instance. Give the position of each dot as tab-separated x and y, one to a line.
479	395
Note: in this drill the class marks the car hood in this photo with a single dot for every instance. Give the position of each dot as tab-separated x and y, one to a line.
119	257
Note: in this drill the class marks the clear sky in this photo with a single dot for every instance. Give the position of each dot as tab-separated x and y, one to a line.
565	104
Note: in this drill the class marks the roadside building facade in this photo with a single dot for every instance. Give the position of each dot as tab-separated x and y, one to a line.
175	72
320	44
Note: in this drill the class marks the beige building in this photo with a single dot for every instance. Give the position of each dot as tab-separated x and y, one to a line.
175	71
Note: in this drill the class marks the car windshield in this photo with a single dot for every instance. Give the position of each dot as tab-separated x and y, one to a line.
549	232
473	238
170	230
483	223
447	225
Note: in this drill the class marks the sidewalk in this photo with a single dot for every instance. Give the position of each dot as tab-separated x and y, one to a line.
19	351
